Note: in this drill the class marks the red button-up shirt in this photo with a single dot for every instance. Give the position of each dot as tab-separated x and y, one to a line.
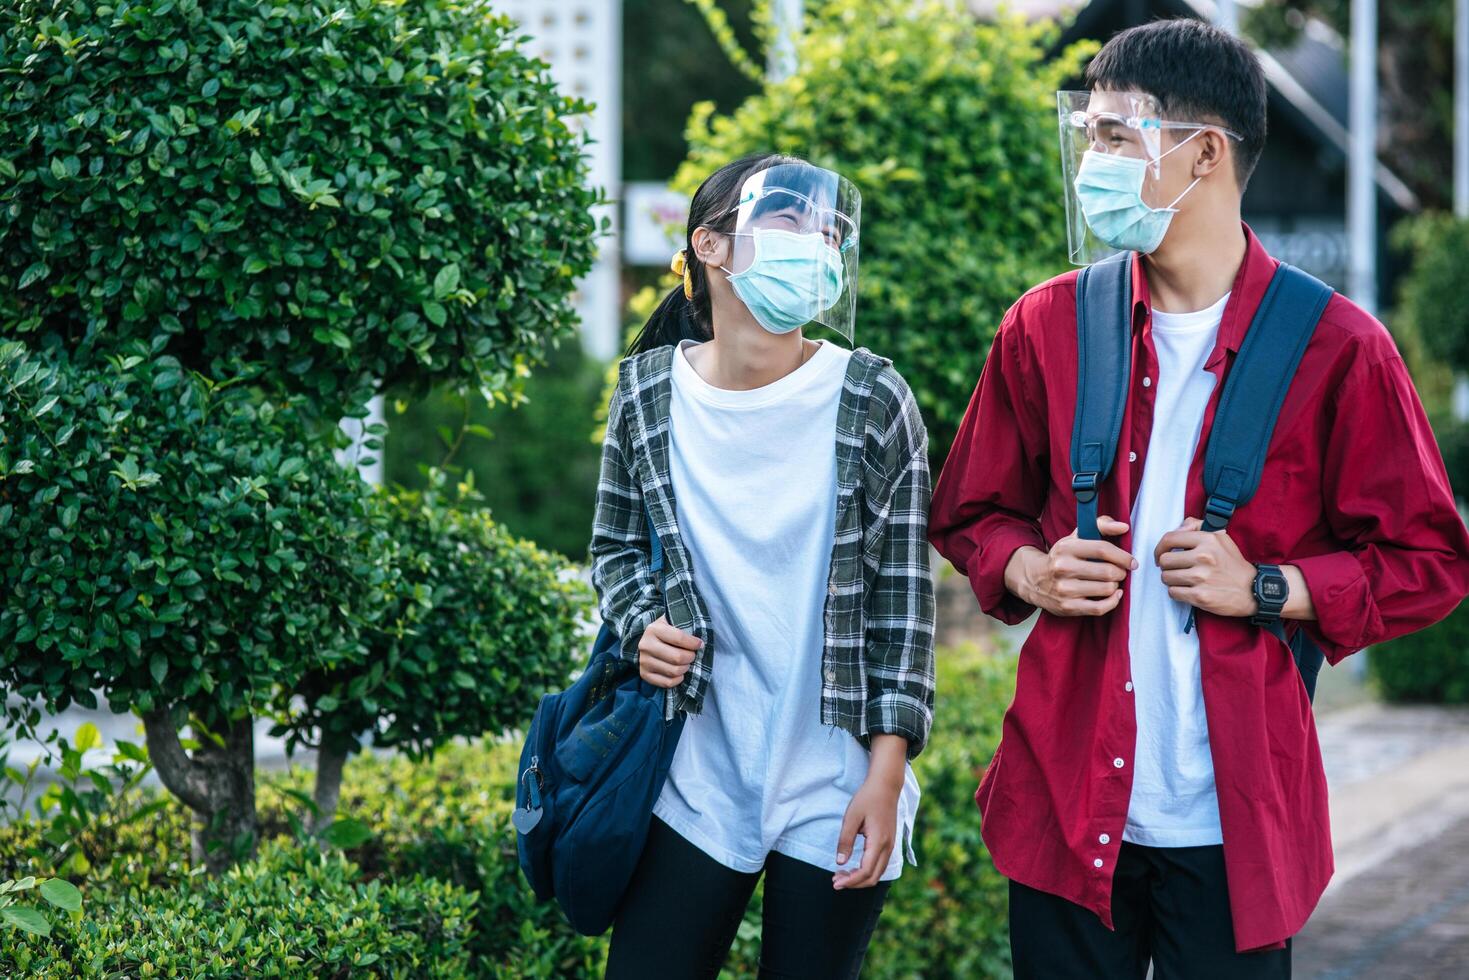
1354	494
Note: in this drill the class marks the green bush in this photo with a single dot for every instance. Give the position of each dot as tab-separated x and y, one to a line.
948	127
448	818
1432	305
1430	665
170	540
532	458
239	219
486	625
289	913
370	191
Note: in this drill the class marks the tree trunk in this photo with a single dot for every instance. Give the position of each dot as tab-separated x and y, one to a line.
329	762
217	783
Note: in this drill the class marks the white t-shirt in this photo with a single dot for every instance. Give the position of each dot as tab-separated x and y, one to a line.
1173	798
755	481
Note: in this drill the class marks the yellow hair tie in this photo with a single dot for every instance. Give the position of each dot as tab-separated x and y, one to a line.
680	267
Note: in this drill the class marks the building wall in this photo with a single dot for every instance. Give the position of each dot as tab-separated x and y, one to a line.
582	42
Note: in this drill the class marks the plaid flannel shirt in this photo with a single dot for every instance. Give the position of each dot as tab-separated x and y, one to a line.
877	664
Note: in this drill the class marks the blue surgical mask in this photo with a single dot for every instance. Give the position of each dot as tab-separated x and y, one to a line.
793	279
1109	189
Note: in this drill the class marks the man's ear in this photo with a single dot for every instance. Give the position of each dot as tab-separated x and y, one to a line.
1214	152
710	247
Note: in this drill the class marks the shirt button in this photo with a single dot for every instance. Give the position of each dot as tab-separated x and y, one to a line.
1105	839
1147	382
1117	763
1128	685
1132	457
1097	863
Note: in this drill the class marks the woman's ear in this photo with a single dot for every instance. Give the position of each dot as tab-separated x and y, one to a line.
710	247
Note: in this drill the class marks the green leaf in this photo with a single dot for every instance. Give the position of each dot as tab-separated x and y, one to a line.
88	737
158	667
435	313
210	89
35	271
58	168
26	920
347	833
62	894
446	281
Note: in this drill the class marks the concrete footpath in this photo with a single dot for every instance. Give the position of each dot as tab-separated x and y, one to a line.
1398	906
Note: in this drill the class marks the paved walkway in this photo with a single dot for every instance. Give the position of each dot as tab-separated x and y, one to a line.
1398	906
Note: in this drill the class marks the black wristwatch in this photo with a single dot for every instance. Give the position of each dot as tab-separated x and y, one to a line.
1271	592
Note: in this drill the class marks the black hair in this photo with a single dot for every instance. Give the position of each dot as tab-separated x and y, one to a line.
677	317
1197	72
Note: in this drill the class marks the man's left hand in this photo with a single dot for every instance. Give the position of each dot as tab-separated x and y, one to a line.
1206	570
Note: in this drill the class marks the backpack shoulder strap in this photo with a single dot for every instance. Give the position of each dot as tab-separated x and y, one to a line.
1104	360
1255	389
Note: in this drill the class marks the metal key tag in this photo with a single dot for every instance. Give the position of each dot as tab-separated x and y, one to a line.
525	819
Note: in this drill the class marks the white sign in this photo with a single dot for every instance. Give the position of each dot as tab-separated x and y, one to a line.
654	222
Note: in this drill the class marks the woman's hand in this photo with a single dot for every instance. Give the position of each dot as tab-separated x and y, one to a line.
665	652
873	813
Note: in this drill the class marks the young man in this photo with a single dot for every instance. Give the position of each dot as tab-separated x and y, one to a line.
1158	792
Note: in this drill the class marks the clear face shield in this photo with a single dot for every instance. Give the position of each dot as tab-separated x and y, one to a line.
1112	150
793	259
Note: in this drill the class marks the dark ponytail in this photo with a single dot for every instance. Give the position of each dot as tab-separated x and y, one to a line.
679	317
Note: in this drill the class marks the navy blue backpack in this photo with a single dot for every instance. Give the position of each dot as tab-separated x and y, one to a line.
1253	393
594	762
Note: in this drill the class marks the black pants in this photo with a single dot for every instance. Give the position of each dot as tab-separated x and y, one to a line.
1170	905
682	909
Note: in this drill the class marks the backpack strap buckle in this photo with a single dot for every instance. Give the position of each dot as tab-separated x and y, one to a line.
1085	487
1217	512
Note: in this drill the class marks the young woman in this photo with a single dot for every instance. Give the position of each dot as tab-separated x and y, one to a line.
787	480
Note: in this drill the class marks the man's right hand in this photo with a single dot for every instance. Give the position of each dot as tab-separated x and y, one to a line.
1076	577
665	652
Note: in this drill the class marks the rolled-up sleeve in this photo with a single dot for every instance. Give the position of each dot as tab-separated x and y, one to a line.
621	549
1405	564
989	497
900	619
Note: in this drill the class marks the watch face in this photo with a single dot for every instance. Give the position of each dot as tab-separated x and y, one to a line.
1272	588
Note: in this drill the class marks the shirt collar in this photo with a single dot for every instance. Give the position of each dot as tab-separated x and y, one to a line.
1250	283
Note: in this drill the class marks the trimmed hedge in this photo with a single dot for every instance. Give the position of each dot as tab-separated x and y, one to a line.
448	819
289	913
1430	665
485	624
1432	304
350	194
171	540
